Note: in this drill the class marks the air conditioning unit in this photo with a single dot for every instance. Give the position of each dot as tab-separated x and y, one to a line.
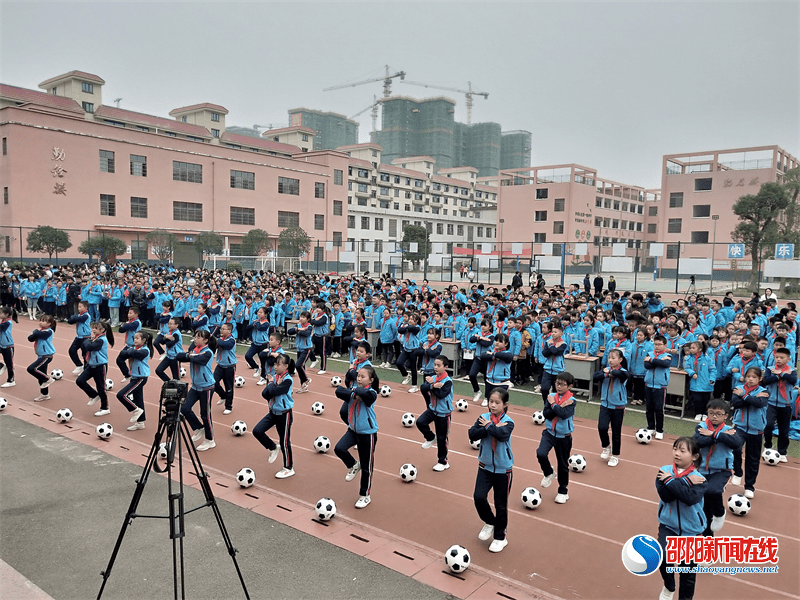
373	204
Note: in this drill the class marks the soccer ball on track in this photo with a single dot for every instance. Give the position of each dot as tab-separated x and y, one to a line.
457	558
538	418
325	509
336	381
643	436
462	405
104	431
531	498
386	391
322	444
476	444
771	456
239	427
408	420
239	381
577	463
109	384
56	374
64	415
318	408
162	451
739	505
3	403
183	372
408	472
246	477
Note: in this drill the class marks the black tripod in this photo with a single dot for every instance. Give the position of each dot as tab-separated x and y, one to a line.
175	436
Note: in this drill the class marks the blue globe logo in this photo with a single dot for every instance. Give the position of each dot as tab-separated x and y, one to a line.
642	555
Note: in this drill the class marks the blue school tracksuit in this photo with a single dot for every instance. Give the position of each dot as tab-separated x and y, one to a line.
225	370
132	395
613	398
737	362
43	346
700	389
7	347
278	394
498	369
362	432
202	390
750	419
622	344
782	401
439	403
635	354
558	427
716	463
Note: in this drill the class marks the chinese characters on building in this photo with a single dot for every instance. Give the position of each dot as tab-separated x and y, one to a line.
59	171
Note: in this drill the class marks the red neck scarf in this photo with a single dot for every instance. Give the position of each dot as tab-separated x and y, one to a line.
678	474
748	389
495	419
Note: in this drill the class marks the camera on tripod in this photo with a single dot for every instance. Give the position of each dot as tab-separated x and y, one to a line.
173	395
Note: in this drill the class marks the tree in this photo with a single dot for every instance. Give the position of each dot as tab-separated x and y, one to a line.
788	230
208	242
758	215
48	239
293	241
162	243
107	247
256	242
420	235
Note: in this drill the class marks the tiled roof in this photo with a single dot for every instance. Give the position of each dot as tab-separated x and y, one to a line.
19	94
398	161
120	114
458	170
209	106
402	171
246	140
364	145
361	163
77	74
289	129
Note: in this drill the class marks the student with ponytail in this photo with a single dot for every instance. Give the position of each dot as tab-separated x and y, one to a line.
132	395
8	316
200	357
96	349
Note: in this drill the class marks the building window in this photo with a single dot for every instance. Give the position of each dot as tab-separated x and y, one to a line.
676	200
598	202
540	238
87	88
362	201
541	193
337	239
699	237
701	211
351	221
319	222
606	202
540	215
558	226
338	177
672	250
616	204
138	249
337	208
363	173
364	222
674	225
108	205
652	211
439	228
319	190
88	107
384	204
288	219
558	205
288	186
138	165
479	232
392	227
190	172
449	229
243	180
215	117
243	216
378	223
106	161
5	195
138	208
615	224
215	133
702	185
378	245
187	211
459	230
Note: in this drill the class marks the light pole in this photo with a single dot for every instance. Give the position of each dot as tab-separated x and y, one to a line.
714	218
502	222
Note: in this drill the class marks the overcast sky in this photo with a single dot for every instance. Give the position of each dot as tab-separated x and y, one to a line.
613	86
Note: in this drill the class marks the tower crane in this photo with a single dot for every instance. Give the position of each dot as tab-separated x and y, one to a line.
387	82
469	93
374	107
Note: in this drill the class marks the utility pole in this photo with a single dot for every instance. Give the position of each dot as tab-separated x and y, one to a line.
715	218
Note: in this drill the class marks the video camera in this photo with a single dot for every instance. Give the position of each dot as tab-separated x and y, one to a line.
173	395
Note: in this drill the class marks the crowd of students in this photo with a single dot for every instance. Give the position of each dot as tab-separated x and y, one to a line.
739	358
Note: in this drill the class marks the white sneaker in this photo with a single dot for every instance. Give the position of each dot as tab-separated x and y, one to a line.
782	458
47	383
485	402
439	467
336	355
305	385
257	372
102	412
92	400
537	389
605	453
273	454
321	372
413	390
363	501
717	523
284	473
227	411
498	545
207	445
665	594
198	435
137	412
698	418
136	426
8	384
406	380
562	498
486	533
736	480
659	435
548	479
313	365
749	493
125	380
613	461
261	381
41	397
220	401
77	370
428	443
352	472
476	397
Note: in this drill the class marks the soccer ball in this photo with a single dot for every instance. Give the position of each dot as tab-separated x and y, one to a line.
386	391
739	505
318	408
109	384
462	405
183	372
531	498
643	436
239	427
3	403
336	381
246	477
577	463
538	418
408	472
64	415
326	509
476	444
104	431
457	558
239	381
56	374
162	451
771	456
408	420
322	444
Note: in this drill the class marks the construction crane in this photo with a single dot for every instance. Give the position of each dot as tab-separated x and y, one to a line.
374	107
387	82
469	93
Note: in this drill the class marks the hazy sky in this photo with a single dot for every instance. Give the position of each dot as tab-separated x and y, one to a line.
612	86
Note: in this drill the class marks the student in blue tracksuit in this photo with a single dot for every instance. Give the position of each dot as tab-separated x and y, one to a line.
200	356
750	417
780	380
304	345
201	322
635	354
657	364
680	509
553	349
8	316
429	352
408	333
173	342
96	349
495	468
278	394
30	292
481	342
132	395
438	391
613	398
718	443
321	323
162	323
42	339
214	314
498	365
740	363
386	338
82	332
115	297
362	430
702	373
225	370
260	337
558	427
95	298
130	329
